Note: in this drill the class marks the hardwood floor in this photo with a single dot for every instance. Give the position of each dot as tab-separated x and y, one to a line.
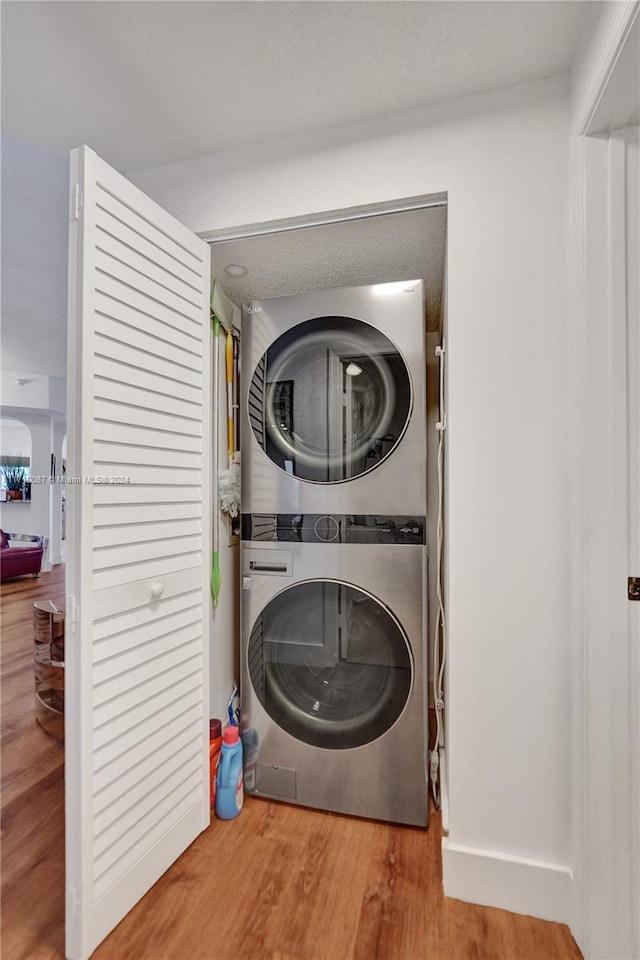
32	787
278	883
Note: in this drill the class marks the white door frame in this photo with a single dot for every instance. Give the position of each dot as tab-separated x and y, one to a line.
606	811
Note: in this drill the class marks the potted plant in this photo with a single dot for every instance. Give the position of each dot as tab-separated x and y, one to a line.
14	478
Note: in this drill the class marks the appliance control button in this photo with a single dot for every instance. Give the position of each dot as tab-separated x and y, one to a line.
326	529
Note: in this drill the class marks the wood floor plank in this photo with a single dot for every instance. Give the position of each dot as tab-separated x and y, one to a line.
278	883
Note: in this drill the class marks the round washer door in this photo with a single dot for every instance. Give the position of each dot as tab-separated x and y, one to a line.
330	664
330	399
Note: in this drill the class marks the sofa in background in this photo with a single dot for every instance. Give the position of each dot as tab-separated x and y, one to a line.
19	561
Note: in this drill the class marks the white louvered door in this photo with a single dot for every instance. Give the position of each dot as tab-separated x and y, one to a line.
138	549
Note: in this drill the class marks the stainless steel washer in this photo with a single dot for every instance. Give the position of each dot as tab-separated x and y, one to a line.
334	678
335	412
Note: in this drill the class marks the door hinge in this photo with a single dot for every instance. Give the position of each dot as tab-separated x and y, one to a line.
76	202
73	609
634	588
73	900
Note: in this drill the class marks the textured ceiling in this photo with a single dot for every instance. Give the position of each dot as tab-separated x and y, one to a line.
397	246
150	83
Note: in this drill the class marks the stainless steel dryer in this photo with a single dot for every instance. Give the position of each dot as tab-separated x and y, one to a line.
335	414
333	651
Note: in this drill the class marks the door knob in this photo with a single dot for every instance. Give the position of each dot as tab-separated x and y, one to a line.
156	590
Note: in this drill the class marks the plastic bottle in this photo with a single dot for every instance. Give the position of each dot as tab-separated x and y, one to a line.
215	742
229	784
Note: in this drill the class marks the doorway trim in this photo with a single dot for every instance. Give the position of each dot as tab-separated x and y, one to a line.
363	212
604	818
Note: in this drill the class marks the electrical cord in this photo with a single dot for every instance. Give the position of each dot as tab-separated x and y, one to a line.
440	636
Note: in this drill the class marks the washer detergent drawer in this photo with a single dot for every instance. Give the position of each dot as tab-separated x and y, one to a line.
269	563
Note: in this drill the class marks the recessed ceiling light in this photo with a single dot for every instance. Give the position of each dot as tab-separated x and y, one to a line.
236	270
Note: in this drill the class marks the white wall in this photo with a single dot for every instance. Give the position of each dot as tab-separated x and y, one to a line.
34	315
32	392
14	438
503	161
22	516
34	258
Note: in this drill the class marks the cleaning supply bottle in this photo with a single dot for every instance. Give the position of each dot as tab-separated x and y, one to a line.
215	743
229	784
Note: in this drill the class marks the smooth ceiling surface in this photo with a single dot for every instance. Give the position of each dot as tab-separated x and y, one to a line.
397	246
150	83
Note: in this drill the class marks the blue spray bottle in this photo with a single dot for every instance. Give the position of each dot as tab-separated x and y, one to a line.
229	785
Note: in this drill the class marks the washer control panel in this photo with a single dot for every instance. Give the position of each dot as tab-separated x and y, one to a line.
333	528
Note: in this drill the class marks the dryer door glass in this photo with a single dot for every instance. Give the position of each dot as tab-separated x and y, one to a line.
330	399
330	664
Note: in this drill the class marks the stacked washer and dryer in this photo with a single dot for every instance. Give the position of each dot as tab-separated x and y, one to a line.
333	551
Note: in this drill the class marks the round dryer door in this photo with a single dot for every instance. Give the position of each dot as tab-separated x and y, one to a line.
330	399
330	664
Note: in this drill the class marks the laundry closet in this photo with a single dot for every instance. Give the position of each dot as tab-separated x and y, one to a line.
339	539
334	559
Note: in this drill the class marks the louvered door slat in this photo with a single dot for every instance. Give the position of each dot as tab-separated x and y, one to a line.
159	692
184	311
146	532
110	245
144	494
116	411
134	474
144	569
123	687
114	792
127	617
151	829
106	516
115	774
113	823
156	340
153	400
147	227
125	650
110	219
145	454
109	431
109	346
106	558
126	310
115	756
153	312
111	368
139	549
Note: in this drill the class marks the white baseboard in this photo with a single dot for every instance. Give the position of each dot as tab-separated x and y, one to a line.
493	879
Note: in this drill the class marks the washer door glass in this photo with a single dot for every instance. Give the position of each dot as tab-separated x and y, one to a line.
330	399
330	664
